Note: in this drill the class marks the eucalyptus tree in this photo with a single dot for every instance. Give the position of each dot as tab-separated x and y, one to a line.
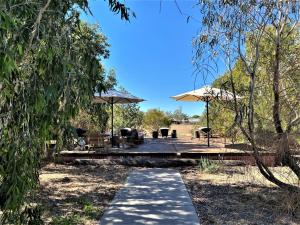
235	30
94	117
50	66
177	115
100	112
155	119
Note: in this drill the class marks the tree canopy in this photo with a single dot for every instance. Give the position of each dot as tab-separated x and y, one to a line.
50	67
177	115
155	119
258	41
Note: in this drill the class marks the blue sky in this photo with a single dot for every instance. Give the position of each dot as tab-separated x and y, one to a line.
152	54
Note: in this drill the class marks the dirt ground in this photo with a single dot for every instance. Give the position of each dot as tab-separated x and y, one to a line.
79	194
233	195
239	195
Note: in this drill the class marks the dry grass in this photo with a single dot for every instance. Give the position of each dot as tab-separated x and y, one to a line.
183	130
79	193
240	195
234	195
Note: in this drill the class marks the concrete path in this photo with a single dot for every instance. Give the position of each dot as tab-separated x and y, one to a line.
152	197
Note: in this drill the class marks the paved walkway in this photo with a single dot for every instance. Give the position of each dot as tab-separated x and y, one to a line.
152	197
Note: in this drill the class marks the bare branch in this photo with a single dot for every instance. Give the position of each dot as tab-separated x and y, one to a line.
36	25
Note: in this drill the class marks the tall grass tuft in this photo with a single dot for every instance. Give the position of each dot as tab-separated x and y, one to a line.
209	166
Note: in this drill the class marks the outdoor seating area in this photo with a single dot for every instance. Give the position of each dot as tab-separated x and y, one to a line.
96	141
131	137
132	141
117	112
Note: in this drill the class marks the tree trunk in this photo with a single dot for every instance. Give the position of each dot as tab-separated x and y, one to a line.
287	158
265	171
284	153
276	104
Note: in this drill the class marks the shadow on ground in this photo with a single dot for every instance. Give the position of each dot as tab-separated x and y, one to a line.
83	190
152	196
240	204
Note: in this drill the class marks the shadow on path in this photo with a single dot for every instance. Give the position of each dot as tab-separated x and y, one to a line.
152	196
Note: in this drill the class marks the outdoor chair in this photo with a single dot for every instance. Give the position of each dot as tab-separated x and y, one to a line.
197	134
115	140
80	140
164	132
80	132
206	131
125	132
96	140
174	134
155	134
135	137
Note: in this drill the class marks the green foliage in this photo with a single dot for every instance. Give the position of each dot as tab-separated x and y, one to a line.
91	211
32	215
289	80
50	67
85	121
177	115
268	48
88	211
128	115
73	219
120	8
155	119
208	166
94	117
222	114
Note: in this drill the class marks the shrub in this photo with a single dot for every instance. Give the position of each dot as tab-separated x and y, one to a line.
73	219
155	119
91	211
208	165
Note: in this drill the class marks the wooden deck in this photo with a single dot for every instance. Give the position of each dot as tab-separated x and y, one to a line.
173	148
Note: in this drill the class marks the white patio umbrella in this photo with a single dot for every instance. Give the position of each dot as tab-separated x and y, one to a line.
115	97
205	94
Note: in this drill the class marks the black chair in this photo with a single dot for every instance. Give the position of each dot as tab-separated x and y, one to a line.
133	137
155	134
80	132
206	131
164	132
197	134
174	134
125	132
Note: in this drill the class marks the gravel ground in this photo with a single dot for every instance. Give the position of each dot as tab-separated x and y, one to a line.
79	194
232	196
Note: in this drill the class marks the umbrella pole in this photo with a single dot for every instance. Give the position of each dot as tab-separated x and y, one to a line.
207	123
112	122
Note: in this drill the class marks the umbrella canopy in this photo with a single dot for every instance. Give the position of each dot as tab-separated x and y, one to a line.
115	97
205	94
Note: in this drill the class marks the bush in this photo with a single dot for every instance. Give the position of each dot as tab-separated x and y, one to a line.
155	119
209	166
91	211
73	219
